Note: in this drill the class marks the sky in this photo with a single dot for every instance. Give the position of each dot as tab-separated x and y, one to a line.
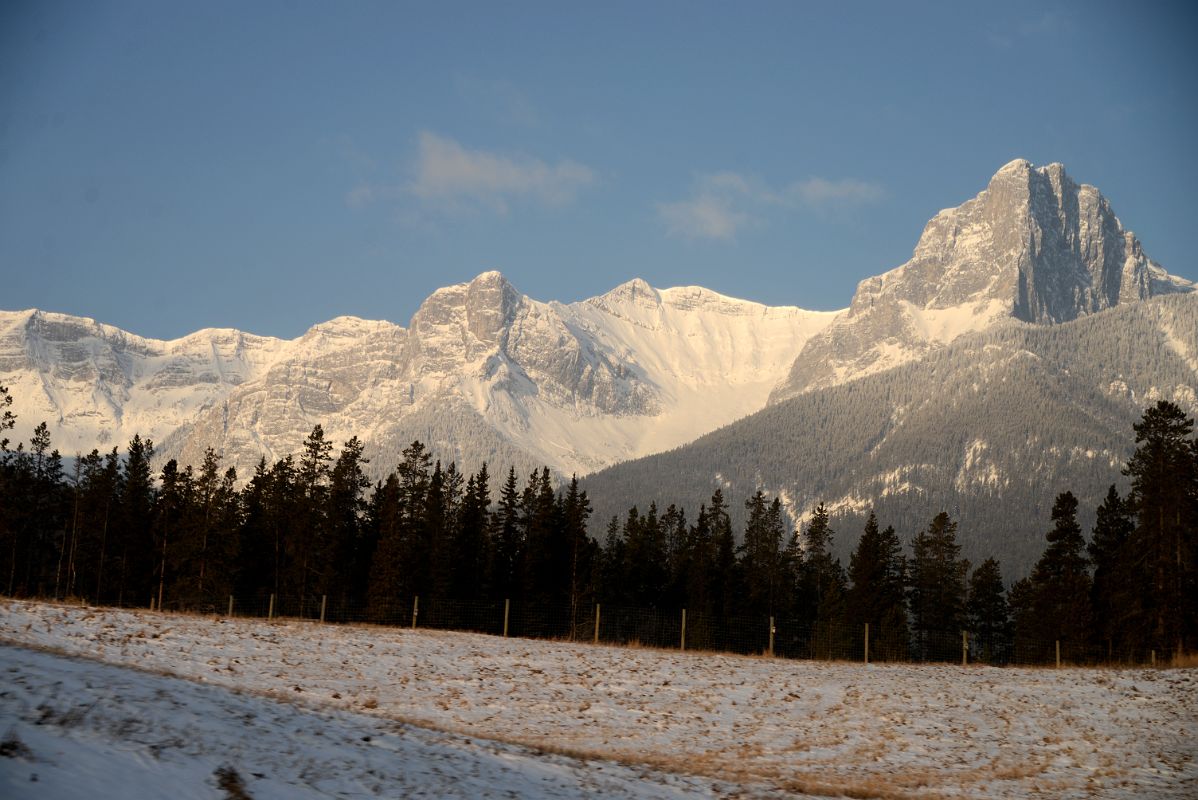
166	167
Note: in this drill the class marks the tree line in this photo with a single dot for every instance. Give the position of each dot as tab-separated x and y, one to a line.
108	530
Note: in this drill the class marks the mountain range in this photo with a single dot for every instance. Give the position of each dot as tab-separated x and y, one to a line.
1007	358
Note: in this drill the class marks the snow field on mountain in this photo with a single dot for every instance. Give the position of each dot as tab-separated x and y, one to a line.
765	724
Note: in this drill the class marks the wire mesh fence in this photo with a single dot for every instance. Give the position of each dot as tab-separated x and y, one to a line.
680	629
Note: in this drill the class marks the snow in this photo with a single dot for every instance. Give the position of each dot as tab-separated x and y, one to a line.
580	386
762	724
88	730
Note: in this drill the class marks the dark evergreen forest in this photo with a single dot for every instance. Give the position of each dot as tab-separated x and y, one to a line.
310	534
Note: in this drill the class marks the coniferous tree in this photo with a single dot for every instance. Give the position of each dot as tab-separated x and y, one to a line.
725	575
386	521
575	510
471	550
644	548
543	552
825	587
877	572
169	516
8	420
508	536
311	548
1060	585
348	547
675	535
1111	596
612	588
1164	495
134	552
987	612
937	589
761	556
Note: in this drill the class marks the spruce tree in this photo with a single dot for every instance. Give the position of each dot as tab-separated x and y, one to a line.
1111	597
987	612
135	566
508	537
1060	590
877	572
1164	495
761	555
937	589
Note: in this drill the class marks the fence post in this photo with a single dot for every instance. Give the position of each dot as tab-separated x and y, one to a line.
507	607
415	610
270	614
867	644
772	629
682	646
323	600
230	614
1058	653
964	648
1154	658
597	607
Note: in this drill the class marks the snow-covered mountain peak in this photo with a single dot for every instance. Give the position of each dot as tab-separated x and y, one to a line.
1034	246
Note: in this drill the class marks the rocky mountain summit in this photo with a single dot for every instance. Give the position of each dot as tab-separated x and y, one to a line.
482	372
1034	246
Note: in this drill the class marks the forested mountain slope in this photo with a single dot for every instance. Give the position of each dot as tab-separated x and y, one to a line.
989	428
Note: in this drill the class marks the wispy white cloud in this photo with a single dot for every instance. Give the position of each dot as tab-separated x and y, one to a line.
703	217
724	203
446	176
449	173
823	193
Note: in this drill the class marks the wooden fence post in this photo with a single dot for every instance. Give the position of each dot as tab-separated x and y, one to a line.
597	618
270	614
867	644
323	600
682	646
230	614
1154	658
772	630
507	608
415	610
1058	653
964	648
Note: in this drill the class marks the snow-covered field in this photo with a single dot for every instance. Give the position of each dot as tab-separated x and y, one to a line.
677	723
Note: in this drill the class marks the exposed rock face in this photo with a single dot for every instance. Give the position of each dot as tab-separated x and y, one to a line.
481	373
1033	247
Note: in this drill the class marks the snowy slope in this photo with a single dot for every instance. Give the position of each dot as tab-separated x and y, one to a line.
82	729
574	386
762	725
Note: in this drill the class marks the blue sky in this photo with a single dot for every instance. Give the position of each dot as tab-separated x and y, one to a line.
270	165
